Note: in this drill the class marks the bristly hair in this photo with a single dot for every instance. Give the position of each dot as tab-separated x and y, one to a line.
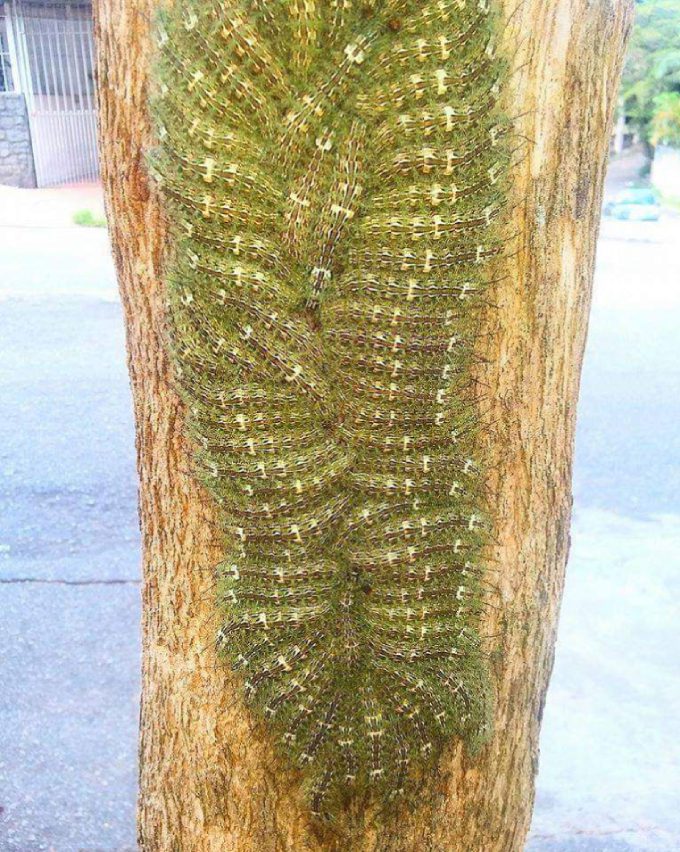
335	175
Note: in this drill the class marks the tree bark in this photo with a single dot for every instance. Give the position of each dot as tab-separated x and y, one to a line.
208	776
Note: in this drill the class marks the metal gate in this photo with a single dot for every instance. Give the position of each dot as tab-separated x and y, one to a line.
53	46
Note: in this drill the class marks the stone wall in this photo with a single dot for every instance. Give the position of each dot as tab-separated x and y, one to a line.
16	153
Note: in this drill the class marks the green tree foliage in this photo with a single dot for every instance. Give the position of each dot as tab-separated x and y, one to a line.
666	120
653	63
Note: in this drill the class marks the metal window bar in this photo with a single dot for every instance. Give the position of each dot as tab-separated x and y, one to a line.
54	52
6	76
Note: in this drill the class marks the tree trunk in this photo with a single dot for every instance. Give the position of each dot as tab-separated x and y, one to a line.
208	777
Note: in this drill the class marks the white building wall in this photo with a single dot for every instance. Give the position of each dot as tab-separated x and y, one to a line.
666	170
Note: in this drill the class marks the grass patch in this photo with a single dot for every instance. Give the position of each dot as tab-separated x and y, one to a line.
672	201
88	219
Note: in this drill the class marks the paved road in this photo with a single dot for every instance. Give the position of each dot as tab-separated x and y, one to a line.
69	546
610	760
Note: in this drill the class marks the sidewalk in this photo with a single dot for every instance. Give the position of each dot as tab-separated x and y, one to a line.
44	254
48	208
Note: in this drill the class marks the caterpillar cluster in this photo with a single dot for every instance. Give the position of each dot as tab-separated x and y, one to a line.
335	176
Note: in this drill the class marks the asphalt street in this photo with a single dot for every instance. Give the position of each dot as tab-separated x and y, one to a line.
610	760
69	558
69	548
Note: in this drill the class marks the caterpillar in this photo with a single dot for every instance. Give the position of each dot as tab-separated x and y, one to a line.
334	175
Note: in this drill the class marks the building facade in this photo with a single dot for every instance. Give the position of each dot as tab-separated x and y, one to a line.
47	105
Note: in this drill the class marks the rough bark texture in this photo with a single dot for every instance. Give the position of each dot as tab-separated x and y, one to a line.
209	780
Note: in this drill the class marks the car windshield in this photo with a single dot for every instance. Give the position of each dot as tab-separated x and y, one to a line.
636	196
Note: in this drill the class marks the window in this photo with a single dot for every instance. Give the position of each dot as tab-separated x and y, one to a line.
6	81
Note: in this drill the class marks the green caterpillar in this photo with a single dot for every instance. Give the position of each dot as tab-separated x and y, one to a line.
334	174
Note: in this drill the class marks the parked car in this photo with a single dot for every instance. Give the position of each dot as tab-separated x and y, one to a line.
637	204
